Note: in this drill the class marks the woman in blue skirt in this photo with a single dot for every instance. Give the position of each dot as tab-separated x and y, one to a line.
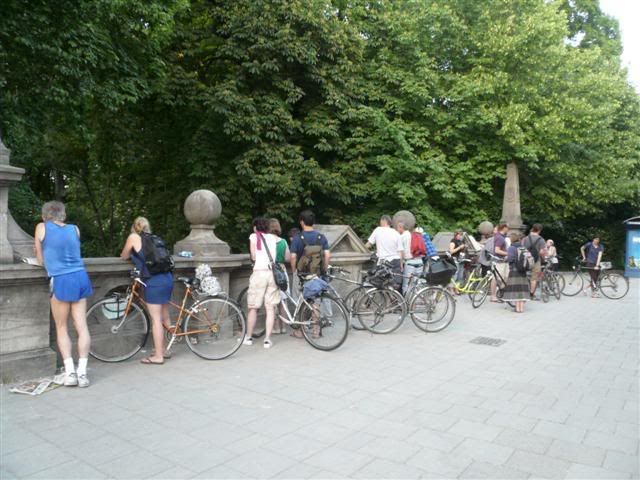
57	246
157	292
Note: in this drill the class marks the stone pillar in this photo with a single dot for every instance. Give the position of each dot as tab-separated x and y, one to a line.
13	240
511	202
202	209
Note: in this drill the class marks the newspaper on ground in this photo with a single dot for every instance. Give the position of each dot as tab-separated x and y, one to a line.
38	387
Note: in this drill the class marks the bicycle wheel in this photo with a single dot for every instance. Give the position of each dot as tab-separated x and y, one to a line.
554	286
325	323
116	334
350	302
613	285
260	327
559	279
573	283
544	289
215	328
480	294
381	310
432	309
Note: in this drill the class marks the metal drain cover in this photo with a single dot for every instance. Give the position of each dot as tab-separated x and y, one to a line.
492	342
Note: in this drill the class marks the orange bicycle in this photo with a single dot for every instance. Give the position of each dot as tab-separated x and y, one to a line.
213	325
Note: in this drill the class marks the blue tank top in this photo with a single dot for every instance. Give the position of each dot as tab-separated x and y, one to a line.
61	249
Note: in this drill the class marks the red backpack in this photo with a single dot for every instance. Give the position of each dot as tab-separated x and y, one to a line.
418	247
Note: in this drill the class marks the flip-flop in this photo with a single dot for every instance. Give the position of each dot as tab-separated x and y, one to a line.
148	361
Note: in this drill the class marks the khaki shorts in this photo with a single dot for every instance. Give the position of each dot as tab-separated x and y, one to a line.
536	269
503	270
262	289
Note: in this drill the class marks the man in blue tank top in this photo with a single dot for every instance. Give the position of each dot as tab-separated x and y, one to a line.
57	247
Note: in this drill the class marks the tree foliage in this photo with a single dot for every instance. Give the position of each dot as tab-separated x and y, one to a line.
354	108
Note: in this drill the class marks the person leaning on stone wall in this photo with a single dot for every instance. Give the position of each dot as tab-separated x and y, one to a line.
157	291
57	246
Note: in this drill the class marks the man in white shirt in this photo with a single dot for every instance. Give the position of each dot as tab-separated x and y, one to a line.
388	247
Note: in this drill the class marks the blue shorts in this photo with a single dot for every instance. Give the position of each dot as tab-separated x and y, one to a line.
70	287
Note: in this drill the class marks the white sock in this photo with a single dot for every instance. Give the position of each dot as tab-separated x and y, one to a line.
82	366
68	366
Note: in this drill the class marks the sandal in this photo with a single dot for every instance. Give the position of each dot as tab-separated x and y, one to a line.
296	334
148	361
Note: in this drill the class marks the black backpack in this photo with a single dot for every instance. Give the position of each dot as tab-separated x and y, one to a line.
157	258
535	253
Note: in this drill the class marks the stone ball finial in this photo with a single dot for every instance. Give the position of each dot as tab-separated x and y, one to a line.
202	207
485	228
406	217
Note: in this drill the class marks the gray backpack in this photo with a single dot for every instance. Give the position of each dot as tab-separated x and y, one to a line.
488	248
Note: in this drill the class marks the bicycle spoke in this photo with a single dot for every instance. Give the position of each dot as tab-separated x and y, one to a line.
215	328
116	333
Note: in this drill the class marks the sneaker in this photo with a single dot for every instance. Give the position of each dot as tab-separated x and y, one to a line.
83	381
247	341
268	344
70	380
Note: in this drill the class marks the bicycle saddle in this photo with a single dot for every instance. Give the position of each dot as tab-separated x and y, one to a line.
187	280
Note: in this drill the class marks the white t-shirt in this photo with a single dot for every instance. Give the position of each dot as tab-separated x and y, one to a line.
262	259
406	244
388	243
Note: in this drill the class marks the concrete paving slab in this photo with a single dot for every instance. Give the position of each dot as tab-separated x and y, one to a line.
559	399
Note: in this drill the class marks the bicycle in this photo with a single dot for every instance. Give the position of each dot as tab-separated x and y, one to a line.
480	295
323	319
612	285
260	327
382	309
549	283
472	279
119	323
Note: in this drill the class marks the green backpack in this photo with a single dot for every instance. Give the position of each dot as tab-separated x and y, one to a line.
310	262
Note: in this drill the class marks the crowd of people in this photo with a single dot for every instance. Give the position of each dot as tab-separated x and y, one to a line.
57	247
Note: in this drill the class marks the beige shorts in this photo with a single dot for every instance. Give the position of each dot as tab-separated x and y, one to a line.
262	289
503	270
536	269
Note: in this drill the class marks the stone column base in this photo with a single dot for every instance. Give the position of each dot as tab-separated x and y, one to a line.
28	365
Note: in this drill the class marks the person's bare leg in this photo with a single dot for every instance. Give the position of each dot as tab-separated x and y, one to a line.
60	311
155	311
79	315
166	316
252	317
269	320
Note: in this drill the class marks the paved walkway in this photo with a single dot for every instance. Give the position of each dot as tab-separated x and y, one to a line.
558	400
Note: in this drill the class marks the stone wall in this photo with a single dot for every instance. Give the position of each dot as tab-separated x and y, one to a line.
27	336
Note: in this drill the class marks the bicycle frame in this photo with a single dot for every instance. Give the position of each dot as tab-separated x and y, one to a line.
182	315
290	319
471	281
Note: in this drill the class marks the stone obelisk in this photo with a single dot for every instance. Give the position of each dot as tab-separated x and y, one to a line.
511	202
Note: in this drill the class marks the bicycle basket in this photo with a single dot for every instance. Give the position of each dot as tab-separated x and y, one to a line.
440	272
380	277
209	286
203	271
